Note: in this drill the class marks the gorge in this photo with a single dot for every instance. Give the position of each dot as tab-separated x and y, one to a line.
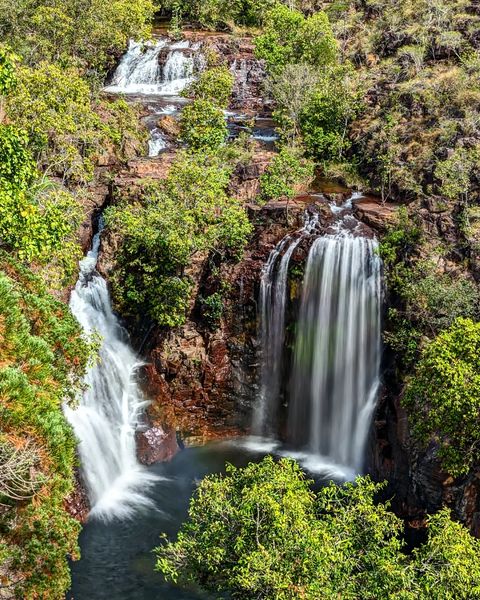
262	378
338	317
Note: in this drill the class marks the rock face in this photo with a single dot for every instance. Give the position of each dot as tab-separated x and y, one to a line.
77	504
249	72
203	381
416	483
156	445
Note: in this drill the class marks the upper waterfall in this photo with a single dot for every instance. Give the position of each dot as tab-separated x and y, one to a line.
108	413
140	71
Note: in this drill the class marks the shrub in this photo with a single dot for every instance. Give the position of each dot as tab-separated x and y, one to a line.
53	106
42	362
203	126
288	170
38	220
260	532
327	114
443	395
87	35
290	38
214	85
187	213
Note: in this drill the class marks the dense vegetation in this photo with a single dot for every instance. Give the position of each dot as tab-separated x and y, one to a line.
261	532
42	361
375	91
54	129
164	227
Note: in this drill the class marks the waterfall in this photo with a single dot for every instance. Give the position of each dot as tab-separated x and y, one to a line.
139	71
109	410
335	371
272	303
336	366
157	143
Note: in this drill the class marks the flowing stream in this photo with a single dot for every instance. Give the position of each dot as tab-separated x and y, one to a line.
109	411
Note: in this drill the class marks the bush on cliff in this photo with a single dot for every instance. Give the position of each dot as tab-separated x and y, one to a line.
164	228
203	126
215	85
443	396
89	35
290	38
288	171
260	532
42	361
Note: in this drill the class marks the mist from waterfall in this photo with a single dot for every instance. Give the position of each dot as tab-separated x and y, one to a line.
109	411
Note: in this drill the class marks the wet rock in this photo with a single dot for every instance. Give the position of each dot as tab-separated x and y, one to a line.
375	213
169	125
77	504
156	445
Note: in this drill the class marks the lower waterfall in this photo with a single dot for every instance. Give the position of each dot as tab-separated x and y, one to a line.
335	370
273	299
336	364
108	413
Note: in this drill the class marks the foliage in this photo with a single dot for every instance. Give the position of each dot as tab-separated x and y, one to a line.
212	309
398	245
214	85
325	117
42	361
290	38
203	126
419	65
53	106
427	298
188	213
288	170
260	532
215	14
7	72
89	35
443	396
37	220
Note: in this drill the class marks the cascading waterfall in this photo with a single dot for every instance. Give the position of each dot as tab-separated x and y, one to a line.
272	302
140	72
109	411
336	366
337	349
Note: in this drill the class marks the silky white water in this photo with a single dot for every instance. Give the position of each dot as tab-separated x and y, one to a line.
330	388
109	410
140	72
337	353
272	303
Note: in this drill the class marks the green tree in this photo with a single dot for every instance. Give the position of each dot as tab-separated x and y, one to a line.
290	38
214	85
287	172
261	532
203	126
188	213
443	396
